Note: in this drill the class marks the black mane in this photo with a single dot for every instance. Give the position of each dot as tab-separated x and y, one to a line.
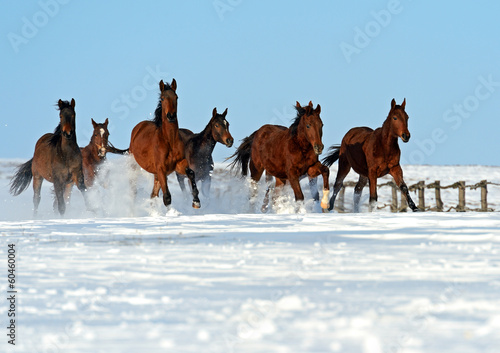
295	124
157	119
57	135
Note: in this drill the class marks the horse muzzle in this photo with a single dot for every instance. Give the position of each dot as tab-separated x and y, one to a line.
405	137
229	142
67	135
318	149
102	152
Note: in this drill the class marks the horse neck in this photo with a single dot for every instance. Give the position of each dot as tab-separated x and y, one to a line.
301	140
389	141
92	149
170	130
207	138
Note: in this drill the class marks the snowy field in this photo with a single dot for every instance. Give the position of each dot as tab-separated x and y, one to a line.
134	277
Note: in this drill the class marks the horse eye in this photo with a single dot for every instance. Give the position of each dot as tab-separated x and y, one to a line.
395	118
308	126
216	125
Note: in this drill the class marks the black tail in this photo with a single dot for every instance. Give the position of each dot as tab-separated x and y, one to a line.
22	179
242	155
113	149
333	156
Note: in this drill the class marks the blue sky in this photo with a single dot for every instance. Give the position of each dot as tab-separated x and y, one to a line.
256	58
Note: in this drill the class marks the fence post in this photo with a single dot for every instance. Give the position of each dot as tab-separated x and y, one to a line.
421	196
461	196
394	203
340	200
437	191
484	193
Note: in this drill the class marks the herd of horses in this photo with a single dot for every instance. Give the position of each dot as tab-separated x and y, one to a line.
160	147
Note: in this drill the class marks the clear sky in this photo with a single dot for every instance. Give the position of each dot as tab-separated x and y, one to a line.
257	58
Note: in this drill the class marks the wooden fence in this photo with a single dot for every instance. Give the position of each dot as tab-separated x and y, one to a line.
420	188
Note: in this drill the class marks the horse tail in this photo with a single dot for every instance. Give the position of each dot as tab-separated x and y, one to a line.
242	155
332	156
112	149
22	179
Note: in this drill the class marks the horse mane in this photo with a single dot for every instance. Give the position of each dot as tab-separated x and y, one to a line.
56	136
157	119
295	124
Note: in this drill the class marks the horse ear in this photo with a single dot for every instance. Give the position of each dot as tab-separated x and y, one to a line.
318	109
106	122
60	103
162	86
174	84
73	103
393	103
225	113
94	124
403	104
310	104
214	112
298	104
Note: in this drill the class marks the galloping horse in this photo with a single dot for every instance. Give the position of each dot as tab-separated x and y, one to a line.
198	149
157	147
57	159
372	154
286	153
94	154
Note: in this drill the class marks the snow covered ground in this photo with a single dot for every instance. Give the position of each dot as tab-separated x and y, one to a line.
134	277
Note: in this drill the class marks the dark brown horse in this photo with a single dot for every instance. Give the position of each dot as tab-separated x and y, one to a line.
157	147
199	148
372	154
57	159
94	154
286	153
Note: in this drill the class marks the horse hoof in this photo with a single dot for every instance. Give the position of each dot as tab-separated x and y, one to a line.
196	204
324	206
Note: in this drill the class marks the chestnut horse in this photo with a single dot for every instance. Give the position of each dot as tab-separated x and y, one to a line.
372	154
199	148
157	147
57	159
286	153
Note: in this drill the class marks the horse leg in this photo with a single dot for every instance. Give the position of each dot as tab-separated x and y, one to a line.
313	186
180	180
205	186
313	173
295	184
183	168
372	180
67	192
37	187
255	174
278	189
397	174
344	169
156	187
265	204
161	176
59	196
358	189
79	180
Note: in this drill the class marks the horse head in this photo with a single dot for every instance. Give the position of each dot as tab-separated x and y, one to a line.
398	120
310	125
220	128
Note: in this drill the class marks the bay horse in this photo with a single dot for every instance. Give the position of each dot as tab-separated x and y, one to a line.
158	148
286	153
198	149
57	159
372	154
